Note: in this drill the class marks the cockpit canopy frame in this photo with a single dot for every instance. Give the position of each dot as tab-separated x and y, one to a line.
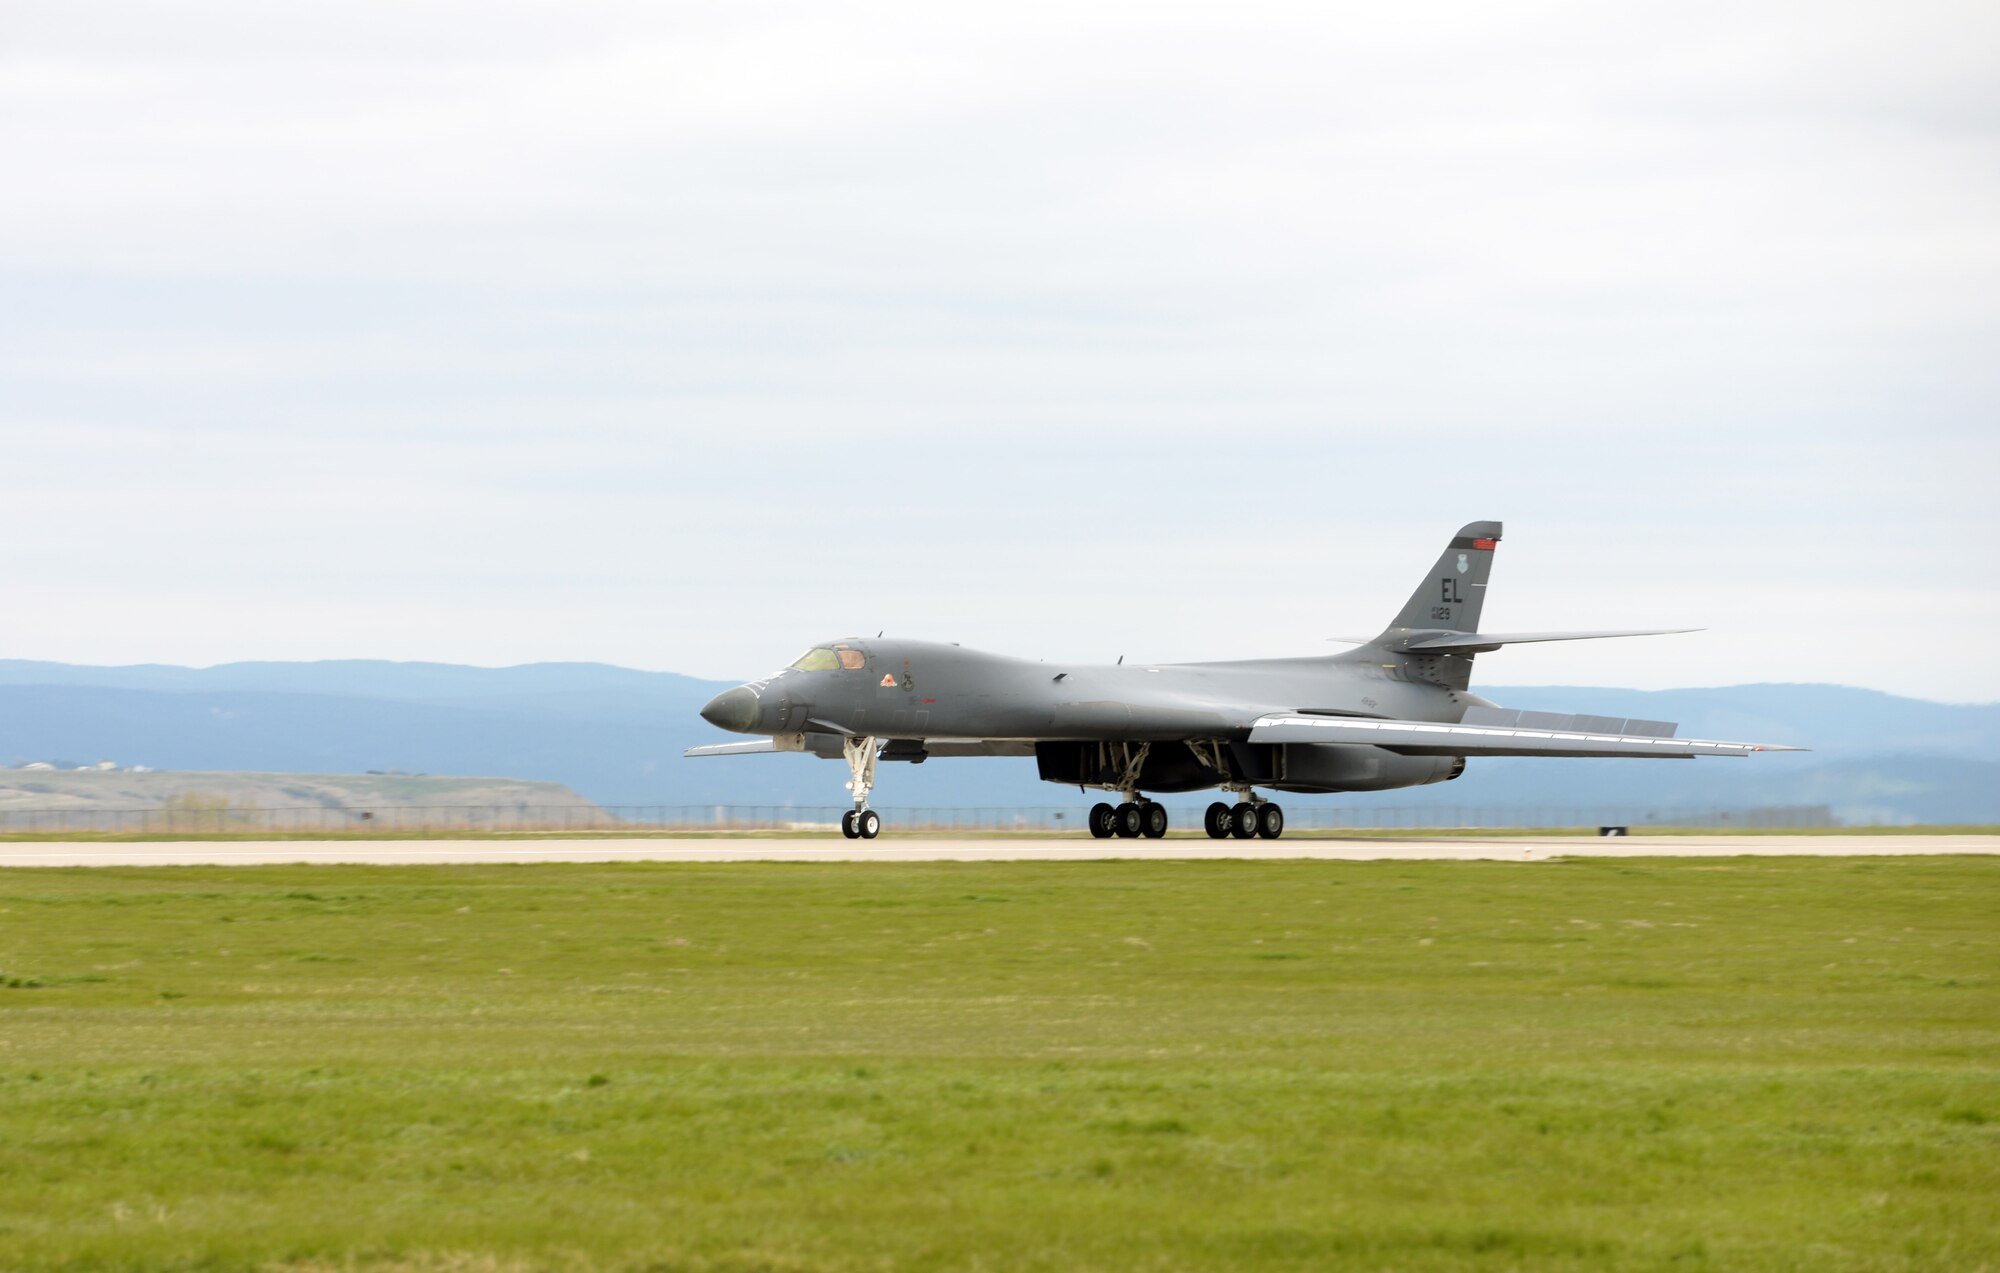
838	657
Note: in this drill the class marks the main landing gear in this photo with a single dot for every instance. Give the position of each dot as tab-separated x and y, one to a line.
1252	818
1137	816
860	822
1129	821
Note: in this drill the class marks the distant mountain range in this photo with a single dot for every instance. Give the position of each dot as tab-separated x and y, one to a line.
616	736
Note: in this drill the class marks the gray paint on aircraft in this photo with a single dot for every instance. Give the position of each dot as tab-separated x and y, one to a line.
1395	711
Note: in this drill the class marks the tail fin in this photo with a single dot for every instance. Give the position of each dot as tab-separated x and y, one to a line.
1451	597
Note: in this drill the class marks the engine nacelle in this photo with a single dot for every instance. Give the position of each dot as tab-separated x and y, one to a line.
1344	767
1170	767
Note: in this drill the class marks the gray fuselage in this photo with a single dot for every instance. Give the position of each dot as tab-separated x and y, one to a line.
927	690
1159	727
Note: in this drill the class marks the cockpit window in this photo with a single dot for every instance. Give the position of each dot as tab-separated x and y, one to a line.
852	660
818	659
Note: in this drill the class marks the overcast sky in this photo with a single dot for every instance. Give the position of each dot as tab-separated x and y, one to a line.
677	336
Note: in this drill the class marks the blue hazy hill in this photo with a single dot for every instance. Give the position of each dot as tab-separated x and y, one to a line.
616	735
1836	720
361	678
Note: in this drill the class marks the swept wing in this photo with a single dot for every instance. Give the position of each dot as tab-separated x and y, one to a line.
1494	737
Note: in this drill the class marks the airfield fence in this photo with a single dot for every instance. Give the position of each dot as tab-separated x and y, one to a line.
445	820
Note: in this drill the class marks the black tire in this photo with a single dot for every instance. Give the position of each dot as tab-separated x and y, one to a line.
1156	820
1271	822
1216	821
1101	816
1131	822
869	824
847	824
1243	820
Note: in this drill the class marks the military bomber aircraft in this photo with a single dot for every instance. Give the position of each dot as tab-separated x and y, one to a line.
1392	712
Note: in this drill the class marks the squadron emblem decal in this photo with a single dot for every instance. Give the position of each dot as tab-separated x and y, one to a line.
1463	564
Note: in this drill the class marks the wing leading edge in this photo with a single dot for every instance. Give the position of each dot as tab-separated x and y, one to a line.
1428	738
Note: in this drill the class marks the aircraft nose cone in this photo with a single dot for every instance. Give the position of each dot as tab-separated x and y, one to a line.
734	710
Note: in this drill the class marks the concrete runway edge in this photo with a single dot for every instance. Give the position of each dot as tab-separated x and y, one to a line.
891	848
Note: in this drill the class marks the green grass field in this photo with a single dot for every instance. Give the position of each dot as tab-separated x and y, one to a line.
711	833
1580	1065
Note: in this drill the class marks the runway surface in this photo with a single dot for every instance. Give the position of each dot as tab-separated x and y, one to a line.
892	848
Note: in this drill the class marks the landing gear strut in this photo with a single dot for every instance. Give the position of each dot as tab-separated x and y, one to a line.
860	822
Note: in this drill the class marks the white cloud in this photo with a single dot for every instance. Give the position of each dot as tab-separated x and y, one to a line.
673	336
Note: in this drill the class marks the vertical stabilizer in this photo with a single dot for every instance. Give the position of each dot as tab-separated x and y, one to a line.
1452	595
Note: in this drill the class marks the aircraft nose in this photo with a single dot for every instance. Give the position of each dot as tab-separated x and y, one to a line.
734	710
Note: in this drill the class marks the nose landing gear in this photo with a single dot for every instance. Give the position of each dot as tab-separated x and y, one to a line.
860	822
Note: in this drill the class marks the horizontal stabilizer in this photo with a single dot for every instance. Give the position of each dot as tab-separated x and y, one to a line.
1429	738
734	749
1435	642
